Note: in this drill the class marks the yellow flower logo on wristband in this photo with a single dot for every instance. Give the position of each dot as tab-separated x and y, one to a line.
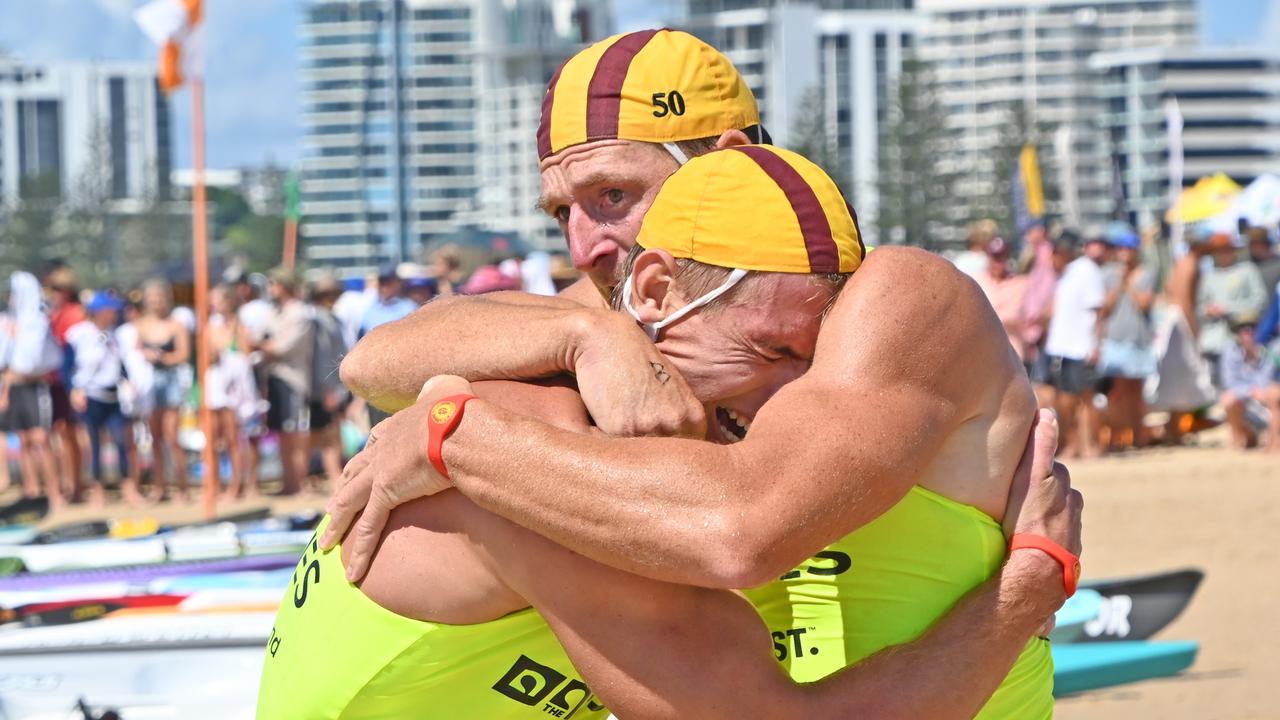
443	411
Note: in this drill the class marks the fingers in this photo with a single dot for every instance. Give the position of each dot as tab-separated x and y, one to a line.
1075	506
344	505
1043	445
1036	464
443	386
364	538
1060	474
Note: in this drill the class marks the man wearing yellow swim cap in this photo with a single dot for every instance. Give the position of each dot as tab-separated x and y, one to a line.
671	541
617	119
736	354
442	621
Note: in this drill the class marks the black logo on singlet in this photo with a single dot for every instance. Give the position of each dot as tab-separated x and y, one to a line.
534	684
840	564
790	643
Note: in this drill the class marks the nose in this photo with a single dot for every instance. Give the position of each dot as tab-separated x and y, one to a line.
581	233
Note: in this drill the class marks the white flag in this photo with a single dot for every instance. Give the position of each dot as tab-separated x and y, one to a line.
175	27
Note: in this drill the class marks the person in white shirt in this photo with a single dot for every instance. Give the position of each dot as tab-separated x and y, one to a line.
1072	346
95	387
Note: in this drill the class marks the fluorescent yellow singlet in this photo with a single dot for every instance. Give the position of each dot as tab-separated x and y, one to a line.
334	653
885	584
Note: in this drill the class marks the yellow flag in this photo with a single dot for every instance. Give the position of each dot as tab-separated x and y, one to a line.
1030	167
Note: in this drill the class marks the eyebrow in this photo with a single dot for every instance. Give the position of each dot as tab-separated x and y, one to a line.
597	176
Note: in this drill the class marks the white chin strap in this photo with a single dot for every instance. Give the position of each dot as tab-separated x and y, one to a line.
655	328
676	153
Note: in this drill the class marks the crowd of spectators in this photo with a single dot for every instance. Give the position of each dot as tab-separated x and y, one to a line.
1109	340
100	385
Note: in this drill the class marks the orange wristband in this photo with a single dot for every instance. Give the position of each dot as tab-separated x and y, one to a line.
443	418
1070	563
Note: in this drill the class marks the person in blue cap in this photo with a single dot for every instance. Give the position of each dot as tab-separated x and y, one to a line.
389	306
96	382
1127	356
391	303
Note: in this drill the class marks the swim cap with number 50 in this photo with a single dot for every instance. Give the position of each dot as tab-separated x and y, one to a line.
654	86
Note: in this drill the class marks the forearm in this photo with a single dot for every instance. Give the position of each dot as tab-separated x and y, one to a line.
641	504
957	665
505	336
699	513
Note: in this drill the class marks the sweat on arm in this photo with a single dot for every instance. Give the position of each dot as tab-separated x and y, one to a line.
827	454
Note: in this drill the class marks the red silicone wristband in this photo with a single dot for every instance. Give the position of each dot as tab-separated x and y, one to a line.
441	420
1070	562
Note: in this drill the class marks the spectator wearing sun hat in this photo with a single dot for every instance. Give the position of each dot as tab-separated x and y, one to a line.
1231	288
1005	290
1249	374
1126	357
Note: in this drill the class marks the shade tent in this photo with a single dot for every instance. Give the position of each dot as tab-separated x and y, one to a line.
1259	204
1211	197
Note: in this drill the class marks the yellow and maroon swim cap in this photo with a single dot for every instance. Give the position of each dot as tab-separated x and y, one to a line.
755	207
656	86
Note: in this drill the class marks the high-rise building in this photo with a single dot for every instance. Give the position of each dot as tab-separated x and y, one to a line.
395	96
79	127
995	58
850	51
1229	100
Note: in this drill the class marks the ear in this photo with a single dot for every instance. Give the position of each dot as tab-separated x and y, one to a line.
653	292
731	138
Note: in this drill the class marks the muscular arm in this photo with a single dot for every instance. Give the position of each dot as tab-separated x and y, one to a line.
893	376
653	650
499	336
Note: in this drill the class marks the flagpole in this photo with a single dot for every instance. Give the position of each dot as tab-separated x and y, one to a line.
200	263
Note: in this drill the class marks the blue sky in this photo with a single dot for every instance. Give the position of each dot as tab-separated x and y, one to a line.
252	82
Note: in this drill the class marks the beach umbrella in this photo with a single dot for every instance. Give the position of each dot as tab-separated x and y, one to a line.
1211	196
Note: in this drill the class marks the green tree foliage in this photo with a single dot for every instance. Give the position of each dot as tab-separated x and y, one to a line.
258	239
811	136
914	190
28	228
1018	129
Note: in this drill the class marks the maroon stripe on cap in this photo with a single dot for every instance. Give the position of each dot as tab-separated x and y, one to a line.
544	124
824	256
604	92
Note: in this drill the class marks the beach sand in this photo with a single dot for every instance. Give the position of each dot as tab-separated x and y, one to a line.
1208	508
1202	507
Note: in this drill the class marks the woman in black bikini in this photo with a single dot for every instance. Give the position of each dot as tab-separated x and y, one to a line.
166	344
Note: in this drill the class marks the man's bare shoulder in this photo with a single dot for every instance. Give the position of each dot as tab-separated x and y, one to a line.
909	314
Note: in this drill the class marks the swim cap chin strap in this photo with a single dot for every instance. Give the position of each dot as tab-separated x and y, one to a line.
654	328
676	153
